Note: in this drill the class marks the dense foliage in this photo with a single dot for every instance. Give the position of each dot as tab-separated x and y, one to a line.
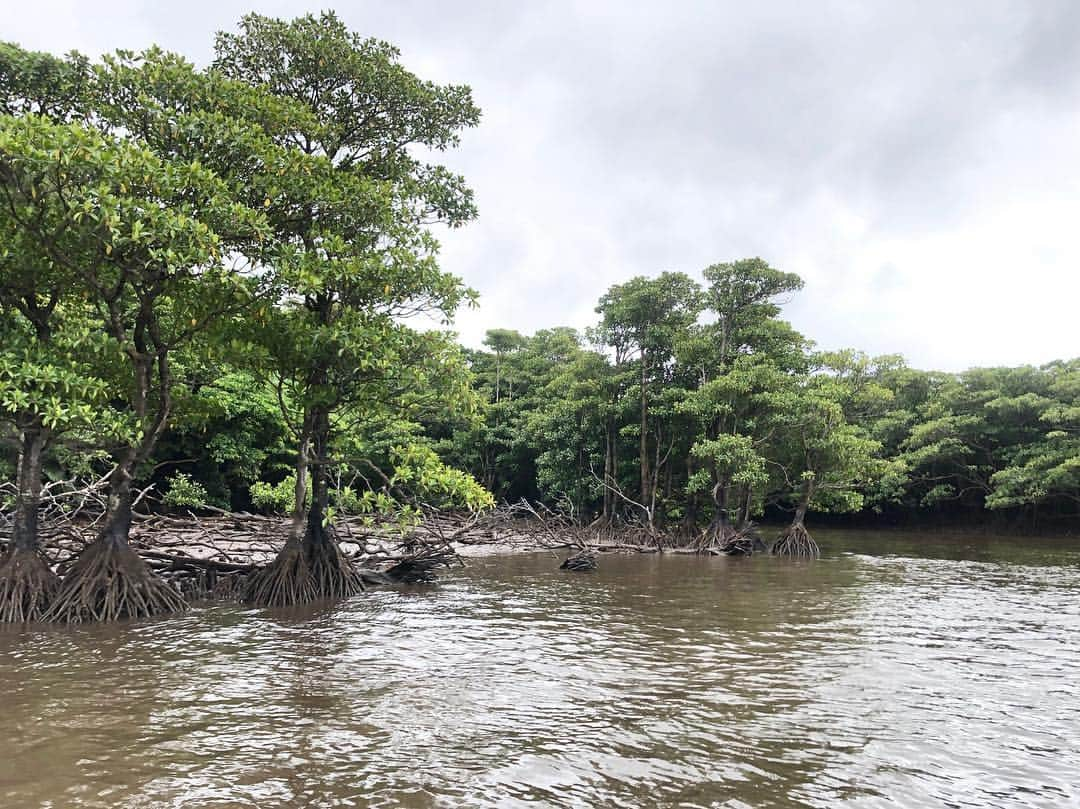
692	404
208	279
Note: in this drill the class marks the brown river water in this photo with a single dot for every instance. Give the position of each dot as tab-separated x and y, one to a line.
896	671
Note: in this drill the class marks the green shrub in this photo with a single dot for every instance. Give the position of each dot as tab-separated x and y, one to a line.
274	498
184	491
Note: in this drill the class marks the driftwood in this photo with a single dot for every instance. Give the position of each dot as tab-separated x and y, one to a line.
580	562
421	568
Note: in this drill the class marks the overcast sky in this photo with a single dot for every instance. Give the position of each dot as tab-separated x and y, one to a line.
918	163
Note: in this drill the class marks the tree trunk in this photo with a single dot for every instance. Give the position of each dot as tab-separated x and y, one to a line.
330	573
311	567
747	506
720	527
719	498
579	494
692	503
109	581
609	474
300	487
27	584
796	540
28	499
804	504
320	477
117	525
643	450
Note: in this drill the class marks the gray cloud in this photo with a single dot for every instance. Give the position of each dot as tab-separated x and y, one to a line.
917	162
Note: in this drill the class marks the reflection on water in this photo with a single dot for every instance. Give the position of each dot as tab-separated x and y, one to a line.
892	672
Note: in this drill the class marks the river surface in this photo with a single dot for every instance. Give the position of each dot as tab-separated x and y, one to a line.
896	671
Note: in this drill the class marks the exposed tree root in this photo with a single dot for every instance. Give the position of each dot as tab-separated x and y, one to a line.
27	585
715	537
311	570
743	542
206	585
283	582
723	538
332	575
108	582
738	545
796	541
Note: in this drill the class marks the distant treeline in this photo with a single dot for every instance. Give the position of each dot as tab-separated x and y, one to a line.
699	404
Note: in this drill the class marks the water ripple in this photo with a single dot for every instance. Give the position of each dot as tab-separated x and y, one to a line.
862	680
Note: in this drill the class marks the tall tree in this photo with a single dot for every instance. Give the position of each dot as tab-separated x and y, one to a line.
49	387
45	388
502	343
643	319
357	256
827	456
743	295
1043	470
141	238
742	359
565	423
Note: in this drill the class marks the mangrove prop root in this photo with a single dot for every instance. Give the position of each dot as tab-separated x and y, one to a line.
723	538
311	570
715	538
332	575
206	585
283	582
27	585
796	541
737	545
108	582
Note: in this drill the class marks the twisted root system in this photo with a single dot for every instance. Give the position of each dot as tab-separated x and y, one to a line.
109	582
796	541
312	570
27	586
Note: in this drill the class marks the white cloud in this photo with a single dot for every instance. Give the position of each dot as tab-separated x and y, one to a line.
917	163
